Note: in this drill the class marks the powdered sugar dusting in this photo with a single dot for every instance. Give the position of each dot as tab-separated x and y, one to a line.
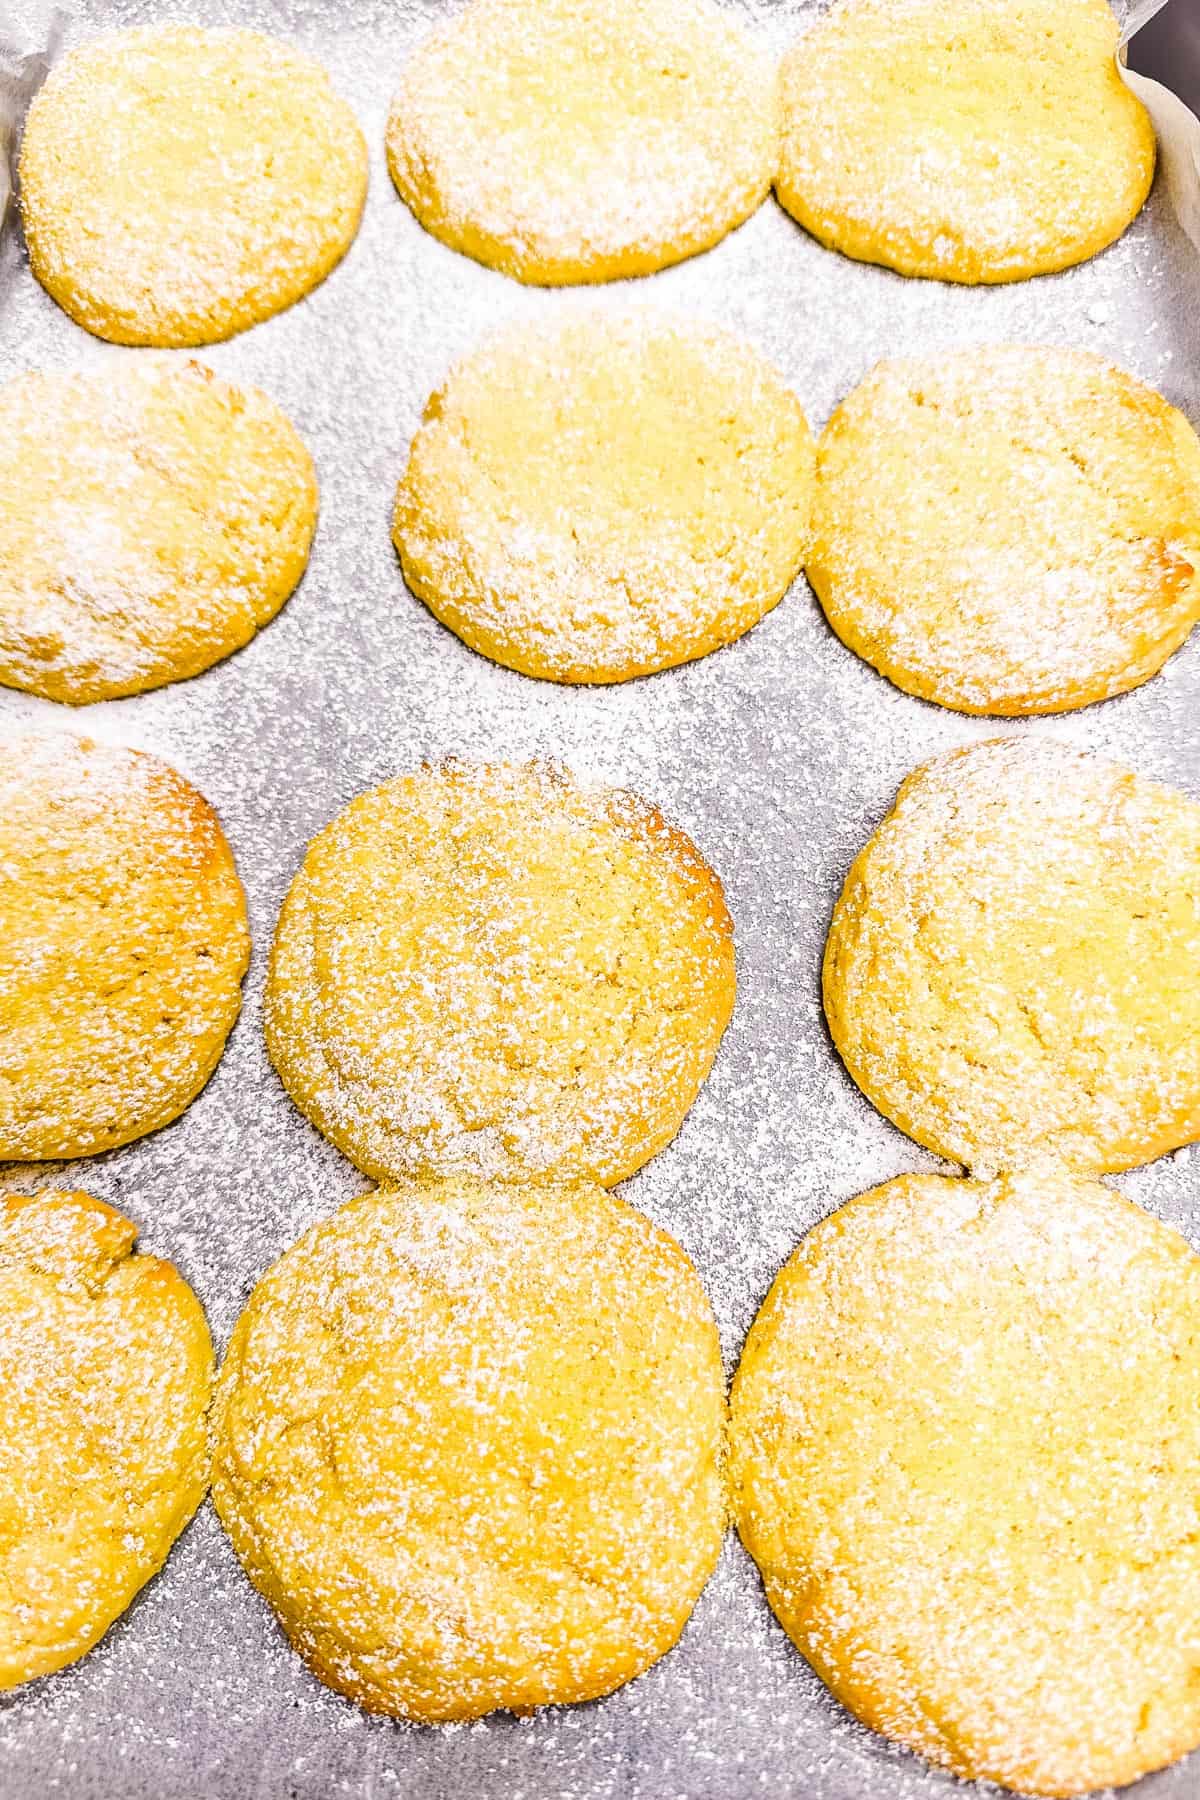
581	140
778	756
1013	969
971	140
556	1019
1011	530
451	1507
606	498
122	945
105	1377
178	185
152	518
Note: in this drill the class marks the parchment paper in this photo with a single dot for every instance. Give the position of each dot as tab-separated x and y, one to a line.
1175	124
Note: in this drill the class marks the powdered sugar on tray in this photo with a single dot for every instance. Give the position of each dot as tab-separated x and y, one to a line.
778	756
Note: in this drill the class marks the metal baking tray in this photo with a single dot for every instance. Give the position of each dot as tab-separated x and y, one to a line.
779	755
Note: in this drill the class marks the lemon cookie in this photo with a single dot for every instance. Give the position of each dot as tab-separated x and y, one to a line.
499	971
602	497
583	140
964	1442
105	1375
1013	969
151	519
178	185
467	1442
1008	530
123	943
971	140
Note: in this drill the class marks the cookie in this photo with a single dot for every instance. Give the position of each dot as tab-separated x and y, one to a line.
467	1442
105	1376
584	140
1012	974
971	140
499	972
964	1445
123	943
605	496
151	519
1008	530
178	185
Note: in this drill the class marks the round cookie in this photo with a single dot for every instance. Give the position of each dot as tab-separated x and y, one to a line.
178	184
1008	530
152	518
468	1443
969	140
964	1445
1012	974
105	1376
499	972
606	496
123	943
584	140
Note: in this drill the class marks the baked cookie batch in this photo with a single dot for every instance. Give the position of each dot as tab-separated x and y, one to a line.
470	1438
964	1430
1008	530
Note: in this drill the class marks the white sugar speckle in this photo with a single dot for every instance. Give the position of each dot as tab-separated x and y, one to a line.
778	756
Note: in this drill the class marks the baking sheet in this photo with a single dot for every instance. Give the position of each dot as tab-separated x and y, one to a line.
779	755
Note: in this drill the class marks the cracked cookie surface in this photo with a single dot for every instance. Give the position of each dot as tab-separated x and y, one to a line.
1008	530
1012	974
498	971
152	518
105	1377
123	942
584	140
468	1443
178	184
964	1441
965	140
597	499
